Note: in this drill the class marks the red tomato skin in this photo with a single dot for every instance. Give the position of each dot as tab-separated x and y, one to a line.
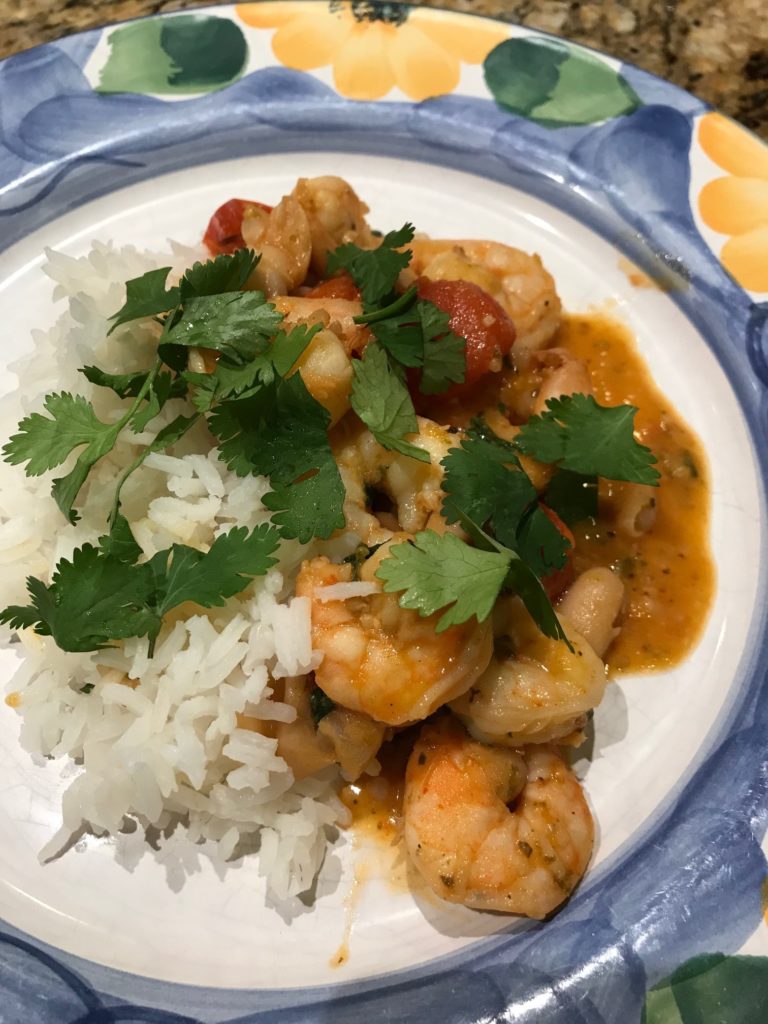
340	287
476	316
559	579
224	231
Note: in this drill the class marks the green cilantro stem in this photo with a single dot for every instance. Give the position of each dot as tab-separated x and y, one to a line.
400	304
138	461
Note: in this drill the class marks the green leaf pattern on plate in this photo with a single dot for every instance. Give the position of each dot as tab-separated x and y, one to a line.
555	84
709	988
174	56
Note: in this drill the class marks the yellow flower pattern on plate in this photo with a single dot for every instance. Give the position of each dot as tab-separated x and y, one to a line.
418	52
737	204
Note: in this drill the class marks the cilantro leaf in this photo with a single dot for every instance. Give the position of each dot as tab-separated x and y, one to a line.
128	385
158	393
374	271
580	435
92	600
397	306
282	432
120	543
421	336
234	380
382	402
146	296
540	544
401	335
228	272
521	580
101	595
209	579
436	571
232	322
45	442
572	496
486	481
287	348
445	360
309	507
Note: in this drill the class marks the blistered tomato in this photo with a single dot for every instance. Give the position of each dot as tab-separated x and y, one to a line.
224	231
476	316
340	287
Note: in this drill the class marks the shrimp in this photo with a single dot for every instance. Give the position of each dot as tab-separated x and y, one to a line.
517	280
326	364
414	487
336	215
344	737
539	691
471	846
384	660
335	314
282	237
562	374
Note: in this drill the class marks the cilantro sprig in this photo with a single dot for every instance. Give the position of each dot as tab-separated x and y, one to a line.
382	402
102	594
374	271
410	333
579	435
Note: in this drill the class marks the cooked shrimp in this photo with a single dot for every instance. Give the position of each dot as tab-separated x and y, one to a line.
414	487
335	214
539	691
335	314
517	280
470	846
562	374
347	738
381	659
326	369
282	237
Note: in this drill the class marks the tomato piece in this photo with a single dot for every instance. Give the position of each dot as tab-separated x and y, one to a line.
476	316
559	579
224	231
340	287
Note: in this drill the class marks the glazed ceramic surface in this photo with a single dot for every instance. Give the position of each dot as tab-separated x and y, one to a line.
469	128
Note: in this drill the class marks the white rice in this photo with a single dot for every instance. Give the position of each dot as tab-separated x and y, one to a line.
164	752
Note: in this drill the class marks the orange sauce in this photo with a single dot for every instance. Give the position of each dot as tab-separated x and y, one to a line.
668	572
13	700
376	802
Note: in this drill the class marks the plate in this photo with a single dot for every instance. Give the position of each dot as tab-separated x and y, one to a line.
472	128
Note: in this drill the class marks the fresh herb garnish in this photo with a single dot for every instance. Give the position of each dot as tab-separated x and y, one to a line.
282	432
421	337
382	402
101	594
578	434
573	496
374	271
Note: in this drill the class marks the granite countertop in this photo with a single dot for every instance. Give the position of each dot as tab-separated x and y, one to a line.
718	49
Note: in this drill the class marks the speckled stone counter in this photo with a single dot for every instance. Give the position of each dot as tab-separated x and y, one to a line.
718	50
